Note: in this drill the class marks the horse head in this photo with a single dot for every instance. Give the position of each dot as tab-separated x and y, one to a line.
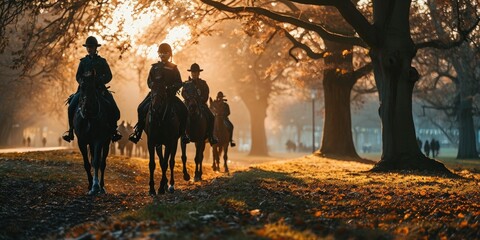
217	107
89	102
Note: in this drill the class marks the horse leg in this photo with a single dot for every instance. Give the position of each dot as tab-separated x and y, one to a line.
103	166
186	176
86	163
164	165
225	157
96	155
215	156
200	146
151	166
173	150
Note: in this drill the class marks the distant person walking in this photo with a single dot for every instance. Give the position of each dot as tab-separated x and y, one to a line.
29	140
419	143
44	141
426	148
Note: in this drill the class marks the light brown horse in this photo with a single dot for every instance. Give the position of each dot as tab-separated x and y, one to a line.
221	131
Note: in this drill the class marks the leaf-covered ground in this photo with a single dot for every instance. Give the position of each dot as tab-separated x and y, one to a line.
43	195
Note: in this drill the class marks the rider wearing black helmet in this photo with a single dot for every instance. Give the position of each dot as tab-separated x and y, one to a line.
96	67
167	72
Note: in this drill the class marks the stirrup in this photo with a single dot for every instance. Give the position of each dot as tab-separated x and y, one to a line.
232	144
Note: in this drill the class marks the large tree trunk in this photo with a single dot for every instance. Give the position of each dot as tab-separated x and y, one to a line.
337	141
256	102
395	79
467	147
258	114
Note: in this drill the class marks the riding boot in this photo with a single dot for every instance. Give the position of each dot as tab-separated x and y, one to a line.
232	143
137	133
116	136
68	135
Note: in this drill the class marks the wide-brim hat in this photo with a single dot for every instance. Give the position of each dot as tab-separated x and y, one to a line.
220	95
195	68
91	41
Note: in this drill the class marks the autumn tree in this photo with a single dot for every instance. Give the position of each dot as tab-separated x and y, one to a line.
391	50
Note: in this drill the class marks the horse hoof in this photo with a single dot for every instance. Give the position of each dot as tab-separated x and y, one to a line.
152	192
103	191
171	189
186	177
197	179
161	191
94	191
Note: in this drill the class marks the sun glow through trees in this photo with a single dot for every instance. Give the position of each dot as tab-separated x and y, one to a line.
130	26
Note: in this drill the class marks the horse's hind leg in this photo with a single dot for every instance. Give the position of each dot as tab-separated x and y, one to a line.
186	176
164	165
86	163
151	166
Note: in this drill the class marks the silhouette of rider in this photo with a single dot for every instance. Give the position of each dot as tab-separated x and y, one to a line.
96	67
221	97
201	96
167	72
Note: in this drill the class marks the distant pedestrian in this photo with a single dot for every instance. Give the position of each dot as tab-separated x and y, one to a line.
24	141
426	148
60	141
44	141
419	143
29	140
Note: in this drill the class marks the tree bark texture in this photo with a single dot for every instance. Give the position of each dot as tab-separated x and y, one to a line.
258	114
395	78
337	141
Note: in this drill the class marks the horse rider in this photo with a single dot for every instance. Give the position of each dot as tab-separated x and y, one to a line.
221	98
201	95
167	72
96	67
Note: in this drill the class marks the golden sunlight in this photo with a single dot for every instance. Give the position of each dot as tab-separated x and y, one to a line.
135	25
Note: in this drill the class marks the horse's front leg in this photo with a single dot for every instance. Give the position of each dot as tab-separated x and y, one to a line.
186	176
200	146
103	166
96	158
86	163
172	151
225	158
164	165
151	166
215	165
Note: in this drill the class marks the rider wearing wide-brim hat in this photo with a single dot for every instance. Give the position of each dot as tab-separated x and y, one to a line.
201	95
221	98
164	72
93	67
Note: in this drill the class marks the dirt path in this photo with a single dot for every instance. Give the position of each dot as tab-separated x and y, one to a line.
44	192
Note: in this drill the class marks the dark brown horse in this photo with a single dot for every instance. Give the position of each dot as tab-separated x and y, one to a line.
162	129
221	131
91	124
196	130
